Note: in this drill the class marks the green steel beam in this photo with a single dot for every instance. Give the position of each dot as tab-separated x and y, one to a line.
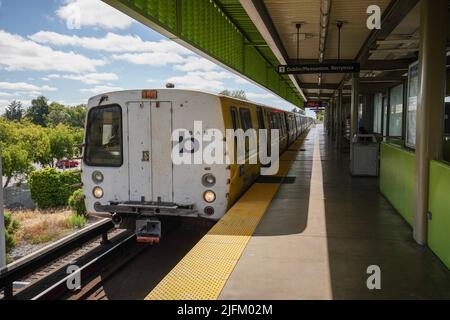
219	30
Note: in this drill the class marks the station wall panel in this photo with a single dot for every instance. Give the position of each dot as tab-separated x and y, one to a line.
439	206
397	174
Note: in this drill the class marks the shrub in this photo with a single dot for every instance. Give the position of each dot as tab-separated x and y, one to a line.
50	188
11	227
76	221
76	202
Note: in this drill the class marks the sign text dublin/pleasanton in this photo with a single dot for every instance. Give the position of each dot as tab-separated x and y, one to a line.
319	68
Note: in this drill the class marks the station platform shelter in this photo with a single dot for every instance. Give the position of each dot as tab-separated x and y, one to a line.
379	69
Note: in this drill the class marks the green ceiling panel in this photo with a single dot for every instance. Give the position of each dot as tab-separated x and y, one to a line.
219	28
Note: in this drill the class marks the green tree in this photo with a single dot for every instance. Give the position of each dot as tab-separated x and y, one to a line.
320	115
238	94
38	111
57	114
36	142
62	143
77	116
15	161
14	111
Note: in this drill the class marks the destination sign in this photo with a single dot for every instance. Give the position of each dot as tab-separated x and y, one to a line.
319	68
313	105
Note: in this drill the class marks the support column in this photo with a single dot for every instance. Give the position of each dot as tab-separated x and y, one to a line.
2	222
336	113
354	111
430	113
331	122
340	112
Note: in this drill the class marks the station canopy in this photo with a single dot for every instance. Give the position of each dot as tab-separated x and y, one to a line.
252	38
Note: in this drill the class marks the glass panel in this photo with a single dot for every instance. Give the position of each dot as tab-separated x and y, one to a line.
104	137
396	111
260	119
234	119
246	119
413	91
377	112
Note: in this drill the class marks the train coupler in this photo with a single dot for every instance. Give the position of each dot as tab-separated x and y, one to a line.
148	231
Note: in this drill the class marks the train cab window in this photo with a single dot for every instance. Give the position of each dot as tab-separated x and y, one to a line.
246	119
260	114
234	118
104	137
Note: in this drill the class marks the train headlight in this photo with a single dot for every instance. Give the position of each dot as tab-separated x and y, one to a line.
97	192
97	177
209	196
208	180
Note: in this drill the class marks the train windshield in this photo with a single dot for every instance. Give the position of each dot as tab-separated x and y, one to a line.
104	137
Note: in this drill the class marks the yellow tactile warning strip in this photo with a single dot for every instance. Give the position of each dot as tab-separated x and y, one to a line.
202	273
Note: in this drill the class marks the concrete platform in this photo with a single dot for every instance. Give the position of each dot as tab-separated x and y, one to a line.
323	230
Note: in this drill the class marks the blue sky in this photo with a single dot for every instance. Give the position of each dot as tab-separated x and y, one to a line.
68	52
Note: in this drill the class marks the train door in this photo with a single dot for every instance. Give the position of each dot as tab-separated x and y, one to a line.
139	147
161	151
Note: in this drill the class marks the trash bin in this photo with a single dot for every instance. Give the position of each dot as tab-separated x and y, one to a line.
365	157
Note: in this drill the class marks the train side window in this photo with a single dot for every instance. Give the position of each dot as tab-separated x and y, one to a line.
261	123
271	121
234	118
246	118
282	123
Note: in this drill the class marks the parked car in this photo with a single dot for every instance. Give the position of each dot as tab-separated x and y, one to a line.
65	164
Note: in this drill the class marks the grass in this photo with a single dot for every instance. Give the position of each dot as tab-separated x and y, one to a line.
42	226
76	221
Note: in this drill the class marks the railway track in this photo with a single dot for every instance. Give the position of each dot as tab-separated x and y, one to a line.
91	270
77	268
30	271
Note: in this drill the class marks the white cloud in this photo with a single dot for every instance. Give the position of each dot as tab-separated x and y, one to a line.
5	94
4	103
239	80
93	13
54	76
112	42
197	81
45	79
150	58
92	78
260	96
196	64
17	53
212	75
101	89
23	86
132	49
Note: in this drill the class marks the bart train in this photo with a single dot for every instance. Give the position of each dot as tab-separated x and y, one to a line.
127	169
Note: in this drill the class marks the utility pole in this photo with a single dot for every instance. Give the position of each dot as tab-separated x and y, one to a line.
2	222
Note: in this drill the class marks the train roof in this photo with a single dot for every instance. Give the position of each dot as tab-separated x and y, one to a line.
199	91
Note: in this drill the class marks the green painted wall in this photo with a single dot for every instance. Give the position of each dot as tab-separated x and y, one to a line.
397	179
439	206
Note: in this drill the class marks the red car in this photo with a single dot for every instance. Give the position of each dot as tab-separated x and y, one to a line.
64	164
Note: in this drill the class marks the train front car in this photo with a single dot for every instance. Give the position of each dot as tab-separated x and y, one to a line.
129	172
